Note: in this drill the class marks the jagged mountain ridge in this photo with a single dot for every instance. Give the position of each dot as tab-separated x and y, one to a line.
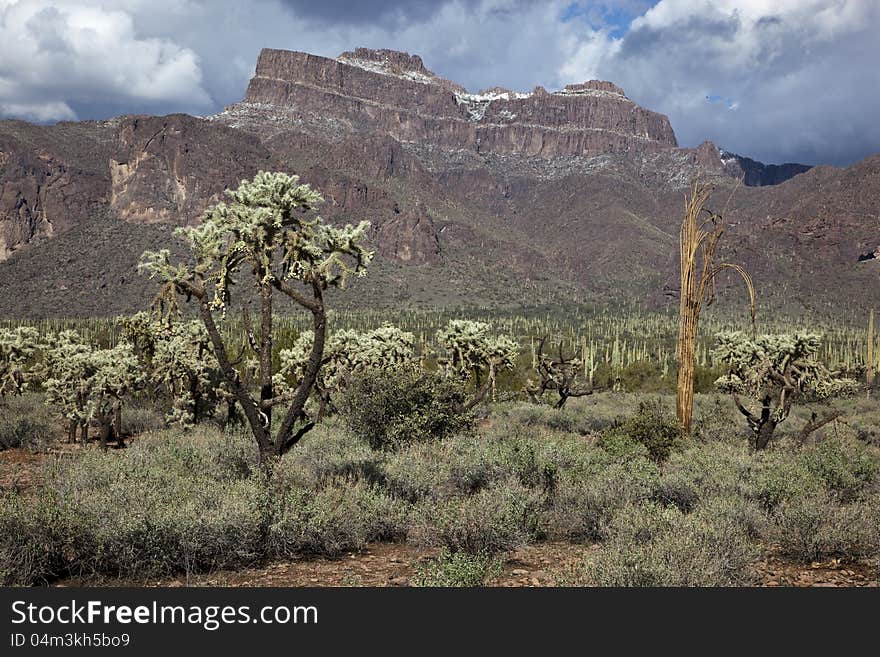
492	198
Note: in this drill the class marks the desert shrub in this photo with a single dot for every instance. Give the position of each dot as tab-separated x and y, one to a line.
703	471
457	569
652	545
24	432
809	528
25	422
465	465
459	466
169	503
582	506
133	518
327	454
420	471
777	478
651	427
393	408
501	517
34	535
620	446
844	467
715	420
533	468
676	490
568	420
166	505
141	419
203	526
738	512
341	517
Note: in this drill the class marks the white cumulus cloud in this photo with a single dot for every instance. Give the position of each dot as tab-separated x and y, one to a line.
58	57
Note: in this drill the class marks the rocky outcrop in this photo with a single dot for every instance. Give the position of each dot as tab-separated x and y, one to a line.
47	182
366	91
758	174
410	237
752	173
171	168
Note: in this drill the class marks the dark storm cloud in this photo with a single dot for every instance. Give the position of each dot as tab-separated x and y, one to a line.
368	11
645	41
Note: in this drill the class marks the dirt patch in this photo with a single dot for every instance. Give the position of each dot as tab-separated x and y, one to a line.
394	564
21	469
775	570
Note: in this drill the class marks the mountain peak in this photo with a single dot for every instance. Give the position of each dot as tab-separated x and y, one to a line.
411	104
395	60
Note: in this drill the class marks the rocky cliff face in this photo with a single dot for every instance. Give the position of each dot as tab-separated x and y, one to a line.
381	90
171	168
50	179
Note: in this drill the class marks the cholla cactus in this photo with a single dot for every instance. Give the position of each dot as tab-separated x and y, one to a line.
178	361
268	230
86	384
774	370
472	352
345	354
17	348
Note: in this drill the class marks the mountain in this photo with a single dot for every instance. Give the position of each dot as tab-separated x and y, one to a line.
495	198
758	174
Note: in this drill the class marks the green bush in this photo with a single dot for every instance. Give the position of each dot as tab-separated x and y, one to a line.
34	538
810	528
776	478
168	504
420	471
137	420
844	467
703	471
567	420
339	518
652	545
716	420
499	518
651	427
457	569
582	506
389	409
327	454
25	422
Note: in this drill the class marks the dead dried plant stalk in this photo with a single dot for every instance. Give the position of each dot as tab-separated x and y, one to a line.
869	357
699	238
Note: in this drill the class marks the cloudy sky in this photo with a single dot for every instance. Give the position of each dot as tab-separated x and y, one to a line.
778	80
